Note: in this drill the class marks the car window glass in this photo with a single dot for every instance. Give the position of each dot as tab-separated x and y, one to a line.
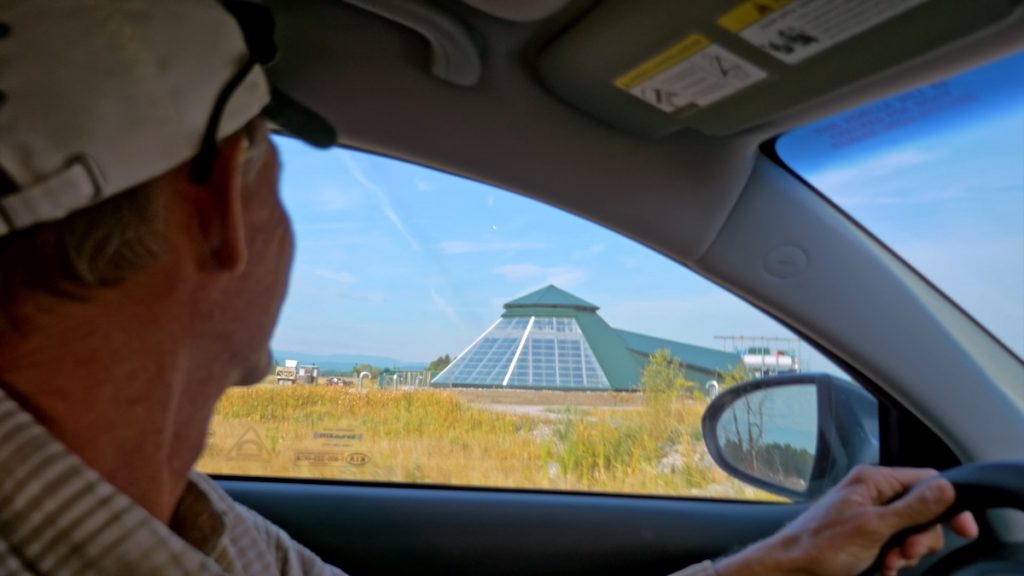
445	332
938	175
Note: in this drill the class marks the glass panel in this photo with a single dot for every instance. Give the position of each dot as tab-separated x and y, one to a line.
556	355
938	175
467	336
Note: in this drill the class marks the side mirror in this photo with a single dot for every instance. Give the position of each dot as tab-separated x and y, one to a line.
794	435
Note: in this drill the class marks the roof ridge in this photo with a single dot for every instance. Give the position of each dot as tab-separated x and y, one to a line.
551	296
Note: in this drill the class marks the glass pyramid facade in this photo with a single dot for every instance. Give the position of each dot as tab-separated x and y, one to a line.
528	352
543	340
553	340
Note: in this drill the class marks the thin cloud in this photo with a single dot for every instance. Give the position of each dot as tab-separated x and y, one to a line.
630	262
855	174
330	197
564	276
344	278
468	247
694	319
382	199
374	297
590	251
424	185
330	226
886	199
442	305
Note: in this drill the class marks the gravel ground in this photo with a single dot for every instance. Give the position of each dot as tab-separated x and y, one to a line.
539	399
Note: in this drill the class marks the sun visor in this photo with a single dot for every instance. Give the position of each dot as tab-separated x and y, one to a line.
654	67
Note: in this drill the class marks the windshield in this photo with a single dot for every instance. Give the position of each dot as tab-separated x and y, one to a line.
938	175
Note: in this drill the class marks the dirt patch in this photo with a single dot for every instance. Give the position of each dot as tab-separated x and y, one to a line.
542	398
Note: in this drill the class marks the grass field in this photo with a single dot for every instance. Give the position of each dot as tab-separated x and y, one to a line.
602	442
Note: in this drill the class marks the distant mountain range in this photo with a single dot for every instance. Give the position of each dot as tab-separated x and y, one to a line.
346	362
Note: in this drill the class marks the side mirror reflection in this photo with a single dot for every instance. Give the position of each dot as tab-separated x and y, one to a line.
794	435
772	434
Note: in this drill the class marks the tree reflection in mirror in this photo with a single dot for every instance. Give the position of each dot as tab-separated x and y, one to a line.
772	434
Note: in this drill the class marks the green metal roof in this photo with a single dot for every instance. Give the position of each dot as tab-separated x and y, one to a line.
551	296
697	357
692	373
622	368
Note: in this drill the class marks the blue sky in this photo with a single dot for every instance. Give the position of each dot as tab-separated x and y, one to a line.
940	179
398	260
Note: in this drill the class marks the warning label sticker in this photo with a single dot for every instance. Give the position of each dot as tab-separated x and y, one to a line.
794	30
691	74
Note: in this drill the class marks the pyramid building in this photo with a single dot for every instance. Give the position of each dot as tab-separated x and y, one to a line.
553	340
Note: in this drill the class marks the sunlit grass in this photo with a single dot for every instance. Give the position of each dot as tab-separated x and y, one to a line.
437	437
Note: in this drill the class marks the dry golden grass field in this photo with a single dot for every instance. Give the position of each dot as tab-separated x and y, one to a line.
578	441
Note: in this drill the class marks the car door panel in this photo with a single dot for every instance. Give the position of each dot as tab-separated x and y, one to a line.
375	530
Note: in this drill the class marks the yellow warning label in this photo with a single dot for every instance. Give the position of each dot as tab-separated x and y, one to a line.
675	54
749	13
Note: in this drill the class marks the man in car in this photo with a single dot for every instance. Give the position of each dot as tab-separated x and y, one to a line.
144	254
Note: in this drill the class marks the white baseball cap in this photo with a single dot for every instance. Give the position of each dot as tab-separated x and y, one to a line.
98	96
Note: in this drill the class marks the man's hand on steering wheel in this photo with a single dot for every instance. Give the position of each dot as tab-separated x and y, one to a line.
842	534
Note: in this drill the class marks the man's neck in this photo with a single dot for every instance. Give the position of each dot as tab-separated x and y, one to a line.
126	400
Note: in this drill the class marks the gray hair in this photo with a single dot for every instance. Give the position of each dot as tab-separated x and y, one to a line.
98	247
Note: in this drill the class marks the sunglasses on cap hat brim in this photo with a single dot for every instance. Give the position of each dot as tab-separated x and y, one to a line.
257	25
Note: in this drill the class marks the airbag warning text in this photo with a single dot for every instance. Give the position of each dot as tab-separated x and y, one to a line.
690	75
794	31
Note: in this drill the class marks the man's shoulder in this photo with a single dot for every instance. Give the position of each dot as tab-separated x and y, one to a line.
241	524
251	539
216	495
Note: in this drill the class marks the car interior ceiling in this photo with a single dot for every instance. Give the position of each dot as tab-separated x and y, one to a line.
543	105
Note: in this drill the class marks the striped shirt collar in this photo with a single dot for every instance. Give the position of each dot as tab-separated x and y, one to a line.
59	516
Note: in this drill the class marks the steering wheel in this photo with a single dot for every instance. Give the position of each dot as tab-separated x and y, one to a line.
978	487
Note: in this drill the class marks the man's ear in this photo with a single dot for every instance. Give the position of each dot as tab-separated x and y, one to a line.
221	217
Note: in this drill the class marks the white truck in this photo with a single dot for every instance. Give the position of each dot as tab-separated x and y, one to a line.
765	361
294	373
